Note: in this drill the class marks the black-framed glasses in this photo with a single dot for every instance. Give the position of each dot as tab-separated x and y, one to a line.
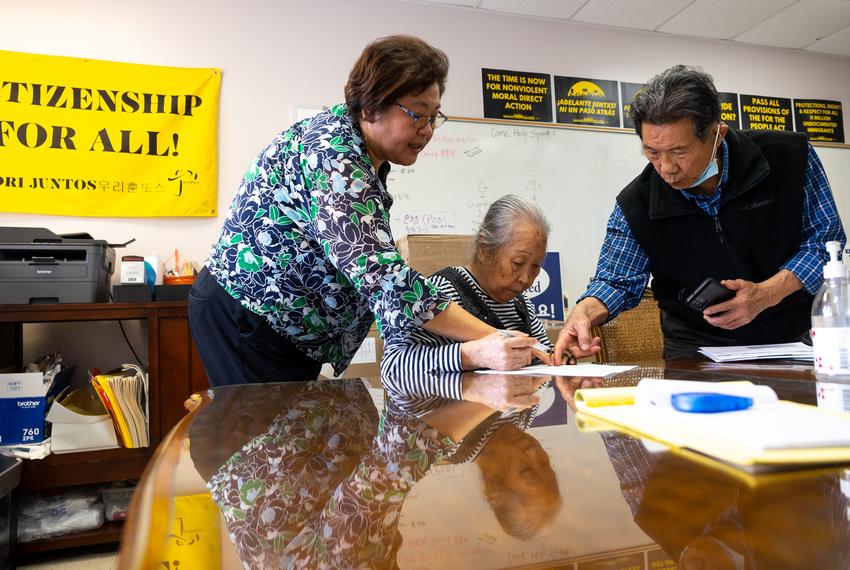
419	121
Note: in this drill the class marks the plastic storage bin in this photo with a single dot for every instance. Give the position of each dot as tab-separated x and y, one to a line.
116	501
10	477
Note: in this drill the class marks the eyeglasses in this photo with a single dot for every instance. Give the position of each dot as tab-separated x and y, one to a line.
419	121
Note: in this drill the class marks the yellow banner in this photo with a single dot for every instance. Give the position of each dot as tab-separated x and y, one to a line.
95	138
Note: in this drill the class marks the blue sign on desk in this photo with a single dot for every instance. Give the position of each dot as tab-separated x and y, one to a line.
546	293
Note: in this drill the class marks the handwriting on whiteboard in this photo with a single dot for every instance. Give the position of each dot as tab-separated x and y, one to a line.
522	134
437	152
427	222
447	140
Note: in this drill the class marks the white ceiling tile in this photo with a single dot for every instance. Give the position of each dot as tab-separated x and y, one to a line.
836	44
635	14
800	25
555	9
722	19
454	2
821	26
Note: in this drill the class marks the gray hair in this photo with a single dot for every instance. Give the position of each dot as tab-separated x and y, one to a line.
677	93
502	217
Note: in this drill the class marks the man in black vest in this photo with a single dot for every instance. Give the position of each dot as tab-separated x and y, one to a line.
751	209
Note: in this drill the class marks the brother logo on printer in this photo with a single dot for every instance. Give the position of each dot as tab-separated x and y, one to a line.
28	404
44	271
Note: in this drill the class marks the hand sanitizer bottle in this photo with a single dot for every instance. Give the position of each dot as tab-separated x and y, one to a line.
831	321
845	258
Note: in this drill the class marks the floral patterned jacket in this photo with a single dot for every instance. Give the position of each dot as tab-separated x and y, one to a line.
307	243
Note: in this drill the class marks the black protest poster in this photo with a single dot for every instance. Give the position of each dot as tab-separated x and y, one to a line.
582	101
821	120
729	110
759	112
516	95
627	95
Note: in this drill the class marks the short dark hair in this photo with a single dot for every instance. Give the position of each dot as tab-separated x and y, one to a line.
390	68
677	93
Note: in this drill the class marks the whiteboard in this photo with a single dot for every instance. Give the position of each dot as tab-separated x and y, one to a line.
574	174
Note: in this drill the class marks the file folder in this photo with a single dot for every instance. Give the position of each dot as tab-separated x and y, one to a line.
772	435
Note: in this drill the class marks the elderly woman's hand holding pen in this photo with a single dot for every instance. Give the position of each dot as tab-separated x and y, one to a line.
501	350
506	350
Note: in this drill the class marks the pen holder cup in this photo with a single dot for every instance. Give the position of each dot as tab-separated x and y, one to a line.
178	279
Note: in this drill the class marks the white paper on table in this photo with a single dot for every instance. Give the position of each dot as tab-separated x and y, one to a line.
590	370
790	350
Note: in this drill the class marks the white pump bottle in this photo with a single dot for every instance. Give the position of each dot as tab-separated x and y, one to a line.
831	321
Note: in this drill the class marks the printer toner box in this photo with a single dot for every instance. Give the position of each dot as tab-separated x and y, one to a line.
22	408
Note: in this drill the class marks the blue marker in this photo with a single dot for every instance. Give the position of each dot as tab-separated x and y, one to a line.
709	402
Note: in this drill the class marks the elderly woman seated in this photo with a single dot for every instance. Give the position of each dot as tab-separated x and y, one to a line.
508	251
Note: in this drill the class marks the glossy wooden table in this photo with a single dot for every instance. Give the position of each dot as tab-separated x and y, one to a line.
614	502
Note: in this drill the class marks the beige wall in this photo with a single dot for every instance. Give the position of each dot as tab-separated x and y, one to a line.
277	54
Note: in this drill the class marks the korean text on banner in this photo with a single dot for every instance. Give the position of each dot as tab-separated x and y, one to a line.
96	138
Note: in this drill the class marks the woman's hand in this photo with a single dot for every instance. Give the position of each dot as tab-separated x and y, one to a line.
502	392
498	352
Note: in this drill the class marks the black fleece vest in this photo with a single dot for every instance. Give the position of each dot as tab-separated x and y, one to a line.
756	230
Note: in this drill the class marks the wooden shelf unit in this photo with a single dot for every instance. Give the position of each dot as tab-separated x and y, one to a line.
108	533
175	372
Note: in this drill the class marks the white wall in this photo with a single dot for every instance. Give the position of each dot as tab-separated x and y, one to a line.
277	54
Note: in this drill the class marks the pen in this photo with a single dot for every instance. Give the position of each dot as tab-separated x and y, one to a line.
537	346
709	402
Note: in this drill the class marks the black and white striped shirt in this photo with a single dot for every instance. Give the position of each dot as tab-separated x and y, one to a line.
418	370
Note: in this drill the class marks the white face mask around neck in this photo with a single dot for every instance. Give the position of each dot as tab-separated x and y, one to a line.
711	169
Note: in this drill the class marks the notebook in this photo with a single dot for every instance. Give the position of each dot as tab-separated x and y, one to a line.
772	434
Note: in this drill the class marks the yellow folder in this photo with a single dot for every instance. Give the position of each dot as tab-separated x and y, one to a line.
114	408
766	437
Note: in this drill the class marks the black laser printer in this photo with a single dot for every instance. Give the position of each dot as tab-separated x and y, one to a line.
38	266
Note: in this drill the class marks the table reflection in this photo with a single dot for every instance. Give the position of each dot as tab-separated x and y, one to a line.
312	475
708	518
305	475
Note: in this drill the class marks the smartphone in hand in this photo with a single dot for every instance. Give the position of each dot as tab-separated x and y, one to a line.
708	293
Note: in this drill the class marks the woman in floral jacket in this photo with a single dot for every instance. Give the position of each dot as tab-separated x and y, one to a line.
306	260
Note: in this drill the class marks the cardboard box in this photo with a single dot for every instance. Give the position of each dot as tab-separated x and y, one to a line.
22	406
367	360
132	269
427	253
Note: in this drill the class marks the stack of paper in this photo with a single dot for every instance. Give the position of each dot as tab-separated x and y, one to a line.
587	370
771	434
790	350
124	394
